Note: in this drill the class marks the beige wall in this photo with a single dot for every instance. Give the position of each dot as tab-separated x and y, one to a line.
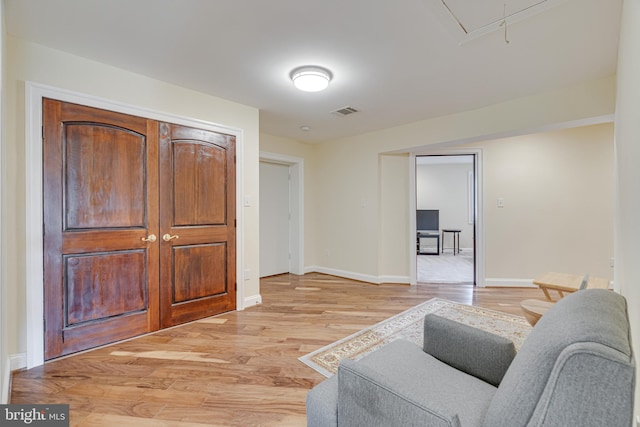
348	189
558	191
30	62
627	157
4	359
394	214
558	203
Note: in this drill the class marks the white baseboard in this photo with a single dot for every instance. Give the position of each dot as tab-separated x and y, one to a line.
252	300
13	362
357	276
343	273
509	283
6	379
18	361
403	280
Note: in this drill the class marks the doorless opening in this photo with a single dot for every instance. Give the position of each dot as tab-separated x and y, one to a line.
446	194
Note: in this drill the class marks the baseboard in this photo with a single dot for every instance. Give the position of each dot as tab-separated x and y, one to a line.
6	381
13	363
252	300
509	283
403	280
357	276
18	361
343	273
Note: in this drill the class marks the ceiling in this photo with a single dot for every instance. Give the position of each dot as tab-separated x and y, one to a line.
395	62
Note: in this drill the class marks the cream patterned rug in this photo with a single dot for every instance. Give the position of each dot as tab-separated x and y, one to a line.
409	325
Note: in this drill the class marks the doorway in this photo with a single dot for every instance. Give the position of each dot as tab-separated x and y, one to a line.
446	204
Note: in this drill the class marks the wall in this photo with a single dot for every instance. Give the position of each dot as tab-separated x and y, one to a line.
627	158
4	357
394	213
558	204
349	197
31	62
445	187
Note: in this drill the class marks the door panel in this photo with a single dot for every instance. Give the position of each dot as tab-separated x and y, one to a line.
197	213
93	152
94	289
100	201
199	184
199	271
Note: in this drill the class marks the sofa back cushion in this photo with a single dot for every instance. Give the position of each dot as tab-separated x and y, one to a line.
471	350
580	343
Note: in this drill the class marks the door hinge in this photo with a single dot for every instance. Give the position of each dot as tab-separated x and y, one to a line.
235	286
235	223
42	131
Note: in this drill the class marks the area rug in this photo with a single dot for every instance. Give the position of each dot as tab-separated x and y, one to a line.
409	325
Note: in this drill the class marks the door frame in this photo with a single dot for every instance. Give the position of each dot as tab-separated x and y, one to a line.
479	218
296	201
34	92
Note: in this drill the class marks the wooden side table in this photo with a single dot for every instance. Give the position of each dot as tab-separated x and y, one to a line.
533	309
566	283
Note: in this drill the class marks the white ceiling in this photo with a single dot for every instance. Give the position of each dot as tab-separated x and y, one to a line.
395	61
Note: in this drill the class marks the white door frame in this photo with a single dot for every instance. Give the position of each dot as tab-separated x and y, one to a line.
296	200
34	273
479	219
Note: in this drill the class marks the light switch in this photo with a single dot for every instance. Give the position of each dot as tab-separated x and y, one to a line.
500	202
247	200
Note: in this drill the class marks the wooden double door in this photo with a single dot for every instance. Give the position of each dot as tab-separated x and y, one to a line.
139	225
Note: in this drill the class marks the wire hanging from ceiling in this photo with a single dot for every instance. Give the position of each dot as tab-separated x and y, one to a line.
504	23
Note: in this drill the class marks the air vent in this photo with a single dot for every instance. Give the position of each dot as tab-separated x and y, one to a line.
344	111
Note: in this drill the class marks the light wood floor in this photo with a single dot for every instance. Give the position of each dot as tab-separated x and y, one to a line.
236	369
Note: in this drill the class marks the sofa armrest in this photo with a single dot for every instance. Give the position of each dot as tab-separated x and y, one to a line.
479	353
367	397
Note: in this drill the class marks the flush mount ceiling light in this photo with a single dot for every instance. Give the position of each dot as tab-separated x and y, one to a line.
311	78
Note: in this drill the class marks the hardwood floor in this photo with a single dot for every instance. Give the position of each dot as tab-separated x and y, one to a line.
235	369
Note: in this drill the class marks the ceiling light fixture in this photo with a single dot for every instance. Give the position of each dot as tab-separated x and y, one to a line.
311	78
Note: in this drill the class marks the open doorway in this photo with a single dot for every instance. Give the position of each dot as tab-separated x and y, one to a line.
446	218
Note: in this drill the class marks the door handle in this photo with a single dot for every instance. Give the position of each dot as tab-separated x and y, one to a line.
168	237
152	238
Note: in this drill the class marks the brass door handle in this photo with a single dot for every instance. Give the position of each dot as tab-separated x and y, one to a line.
152	238
168	237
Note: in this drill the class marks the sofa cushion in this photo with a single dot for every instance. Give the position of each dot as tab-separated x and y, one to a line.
399	384
575	326
471	350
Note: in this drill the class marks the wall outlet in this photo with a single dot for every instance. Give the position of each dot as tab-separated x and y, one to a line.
500	202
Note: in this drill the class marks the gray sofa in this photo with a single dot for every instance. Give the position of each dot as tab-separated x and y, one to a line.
576	368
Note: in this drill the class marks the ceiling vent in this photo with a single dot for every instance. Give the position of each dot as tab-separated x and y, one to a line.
344	111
